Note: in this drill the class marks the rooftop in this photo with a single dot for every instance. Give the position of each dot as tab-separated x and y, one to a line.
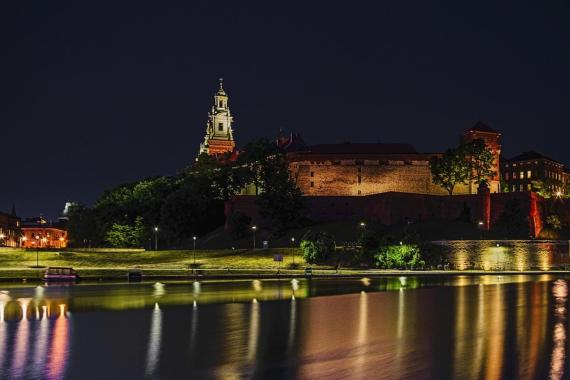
482	127
531	155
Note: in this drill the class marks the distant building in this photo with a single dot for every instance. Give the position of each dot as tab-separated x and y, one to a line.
361	169
521	171
39	233
219	137
9	229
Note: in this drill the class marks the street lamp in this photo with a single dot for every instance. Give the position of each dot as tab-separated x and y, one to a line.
23	241
194	238
254	228
293	245
156	238
37	251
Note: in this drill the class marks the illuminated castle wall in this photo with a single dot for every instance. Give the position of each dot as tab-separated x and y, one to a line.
366	169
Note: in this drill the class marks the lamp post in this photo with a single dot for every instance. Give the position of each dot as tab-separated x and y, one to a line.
480	224
293	246
37	251
194	238
23	241
363	236
156	238
254	228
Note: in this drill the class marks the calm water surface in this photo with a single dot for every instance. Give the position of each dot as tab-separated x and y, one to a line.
409	327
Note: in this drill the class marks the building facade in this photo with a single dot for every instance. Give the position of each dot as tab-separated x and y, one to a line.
531	171
39	233
9	229
366	169
219	138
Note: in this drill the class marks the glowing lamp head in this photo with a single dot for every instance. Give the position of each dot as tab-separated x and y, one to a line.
362	224
194	237
155	229
558	193
2	236
254	228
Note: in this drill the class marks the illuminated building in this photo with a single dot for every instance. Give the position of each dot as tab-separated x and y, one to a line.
219	133
9	229
39	233
350	169
521	171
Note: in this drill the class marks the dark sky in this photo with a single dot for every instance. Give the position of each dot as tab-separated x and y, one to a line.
95	94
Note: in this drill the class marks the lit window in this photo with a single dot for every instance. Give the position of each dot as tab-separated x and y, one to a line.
521	175
521	187
514	175
507	176
220	127
529	174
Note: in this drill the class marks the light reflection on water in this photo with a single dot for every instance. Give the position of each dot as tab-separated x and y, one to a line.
517	255
467	327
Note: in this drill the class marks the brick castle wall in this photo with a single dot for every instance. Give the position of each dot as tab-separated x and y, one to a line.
366	177
394	208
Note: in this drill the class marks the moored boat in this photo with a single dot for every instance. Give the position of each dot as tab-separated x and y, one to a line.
60	274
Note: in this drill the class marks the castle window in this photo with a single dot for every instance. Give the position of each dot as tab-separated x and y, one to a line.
312	174
359	192
359	180
529	174
507	176
312	184
359	162
221	104
220	127
359	169
521	175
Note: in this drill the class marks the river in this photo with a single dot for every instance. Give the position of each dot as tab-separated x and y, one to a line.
463	327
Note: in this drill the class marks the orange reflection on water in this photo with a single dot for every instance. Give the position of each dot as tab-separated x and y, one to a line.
560	292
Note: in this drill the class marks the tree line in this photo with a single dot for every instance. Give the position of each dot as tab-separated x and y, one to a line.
190	203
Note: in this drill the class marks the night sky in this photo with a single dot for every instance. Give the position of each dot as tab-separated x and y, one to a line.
97	94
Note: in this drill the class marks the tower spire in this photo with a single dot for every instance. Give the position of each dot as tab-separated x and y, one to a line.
219	133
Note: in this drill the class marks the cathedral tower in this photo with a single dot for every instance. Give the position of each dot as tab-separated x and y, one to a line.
219	137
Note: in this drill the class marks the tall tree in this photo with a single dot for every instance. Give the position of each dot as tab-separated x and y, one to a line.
479	161
281	200
449	170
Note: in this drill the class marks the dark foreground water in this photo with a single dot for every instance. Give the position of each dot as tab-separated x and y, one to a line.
455	327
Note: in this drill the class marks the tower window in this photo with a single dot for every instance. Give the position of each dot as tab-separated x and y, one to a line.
221	104
220	127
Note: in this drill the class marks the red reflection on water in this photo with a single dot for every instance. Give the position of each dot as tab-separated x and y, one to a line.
59	346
